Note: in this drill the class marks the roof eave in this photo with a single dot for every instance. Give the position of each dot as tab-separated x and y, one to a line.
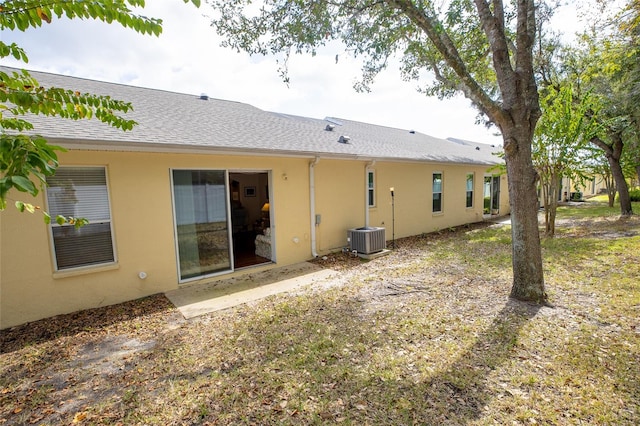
133	146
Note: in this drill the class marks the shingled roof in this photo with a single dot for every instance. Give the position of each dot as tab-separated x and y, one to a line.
169	121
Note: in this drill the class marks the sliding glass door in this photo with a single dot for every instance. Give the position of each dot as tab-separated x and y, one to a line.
201	222
491	195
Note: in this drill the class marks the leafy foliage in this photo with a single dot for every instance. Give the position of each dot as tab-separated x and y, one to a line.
20	94
24	14
448	41
23	157
26	159
481	49
559	142
607	65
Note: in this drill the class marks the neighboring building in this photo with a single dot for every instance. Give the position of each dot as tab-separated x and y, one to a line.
202	189
577	190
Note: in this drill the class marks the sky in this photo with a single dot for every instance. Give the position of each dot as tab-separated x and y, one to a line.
187	58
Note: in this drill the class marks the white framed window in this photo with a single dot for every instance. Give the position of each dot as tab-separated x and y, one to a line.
437	192
371	188
469	190
80	192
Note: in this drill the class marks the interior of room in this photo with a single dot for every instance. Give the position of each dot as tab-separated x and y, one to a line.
250	218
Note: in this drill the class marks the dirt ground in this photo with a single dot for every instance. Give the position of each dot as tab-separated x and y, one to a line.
54	369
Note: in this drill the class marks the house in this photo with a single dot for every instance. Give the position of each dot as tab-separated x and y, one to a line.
572	189
203	189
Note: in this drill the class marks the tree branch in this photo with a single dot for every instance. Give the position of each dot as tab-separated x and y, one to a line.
493	27
443	43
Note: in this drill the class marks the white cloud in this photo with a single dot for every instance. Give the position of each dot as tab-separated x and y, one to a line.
187	58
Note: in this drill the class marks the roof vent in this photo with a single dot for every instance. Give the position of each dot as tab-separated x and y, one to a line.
477	148
330	127
344	139
204	97
413	132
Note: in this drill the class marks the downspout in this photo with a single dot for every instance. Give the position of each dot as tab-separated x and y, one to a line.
312	200
366	191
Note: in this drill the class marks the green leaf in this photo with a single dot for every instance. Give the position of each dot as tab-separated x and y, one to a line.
22	207
23	184
80	222
24	157
61	220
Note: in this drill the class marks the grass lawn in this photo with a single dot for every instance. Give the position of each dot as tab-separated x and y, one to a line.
426	335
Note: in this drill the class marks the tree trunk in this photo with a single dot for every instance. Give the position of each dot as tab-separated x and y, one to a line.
611	188
516	114
622	187
611	195
613	152
528	279
546	189
553	205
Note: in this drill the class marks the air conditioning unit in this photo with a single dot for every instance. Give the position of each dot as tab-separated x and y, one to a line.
366	240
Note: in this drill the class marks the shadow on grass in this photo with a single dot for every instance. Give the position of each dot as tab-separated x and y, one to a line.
459	393
464	383
329	357
330	371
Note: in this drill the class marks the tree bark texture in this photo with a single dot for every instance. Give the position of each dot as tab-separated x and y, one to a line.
552	205
611	189
613	152
544	186
528	278
520	113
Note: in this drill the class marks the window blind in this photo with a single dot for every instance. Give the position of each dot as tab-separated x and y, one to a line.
80	192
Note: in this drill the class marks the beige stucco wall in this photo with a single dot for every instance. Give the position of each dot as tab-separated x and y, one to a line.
142	216
340	199
589	187
504	196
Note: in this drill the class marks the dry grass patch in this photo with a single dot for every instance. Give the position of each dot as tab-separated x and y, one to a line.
426	335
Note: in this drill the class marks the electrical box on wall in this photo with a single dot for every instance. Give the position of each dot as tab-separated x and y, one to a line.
318	219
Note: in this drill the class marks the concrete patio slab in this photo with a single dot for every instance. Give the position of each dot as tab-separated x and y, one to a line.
200	299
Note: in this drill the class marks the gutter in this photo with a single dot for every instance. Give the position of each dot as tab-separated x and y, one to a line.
171	148
312	201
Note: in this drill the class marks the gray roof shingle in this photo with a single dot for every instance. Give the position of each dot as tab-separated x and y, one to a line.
181	121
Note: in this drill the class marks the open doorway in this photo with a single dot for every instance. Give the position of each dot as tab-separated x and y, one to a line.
250	218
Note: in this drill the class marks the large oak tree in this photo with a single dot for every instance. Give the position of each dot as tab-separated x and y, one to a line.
481	48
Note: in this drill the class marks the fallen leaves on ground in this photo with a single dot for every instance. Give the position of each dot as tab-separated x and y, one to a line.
425	335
